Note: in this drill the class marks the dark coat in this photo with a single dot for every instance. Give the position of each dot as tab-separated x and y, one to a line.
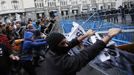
69	65
5	62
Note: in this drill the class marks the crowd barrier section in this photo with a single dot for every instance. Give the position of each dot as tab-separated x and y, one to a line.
95	22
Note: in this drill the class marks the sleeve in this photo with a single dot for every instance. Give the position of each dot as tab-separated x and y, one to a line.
39	40
7	51
39	28
75	63
7	43
39	43
73	43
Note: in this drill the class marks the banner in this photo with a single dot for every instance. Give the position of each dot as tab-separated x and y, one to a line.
76	31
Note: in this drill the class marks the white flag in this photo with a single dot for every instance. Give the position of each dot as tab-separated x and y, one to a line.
76	31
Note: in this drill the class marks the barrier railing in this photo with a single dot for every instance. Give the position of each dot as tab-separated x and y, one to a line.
126	37
98	24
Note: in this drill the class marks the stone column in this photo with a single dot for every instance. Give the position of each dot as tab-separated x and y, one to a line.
59	11
70	11
64	13
47	12
80	8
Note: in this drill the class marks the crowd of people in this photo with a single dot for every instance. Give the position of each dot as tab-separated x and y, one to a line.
22	46
112	14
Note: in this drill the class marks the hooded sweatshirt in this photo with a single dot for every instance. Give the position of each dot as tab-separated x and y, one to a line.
28	46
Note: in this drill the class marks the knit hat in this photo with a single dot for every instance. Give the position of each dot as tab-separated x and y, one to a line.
54	39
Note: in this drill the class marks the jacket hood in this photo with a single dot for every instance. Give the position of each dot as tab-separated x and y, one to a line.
28	35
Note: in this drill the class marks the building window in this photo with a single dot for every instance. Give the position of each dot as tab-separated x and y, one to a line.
15	4
14	1
63	3
39	3
51	4
3	2
109	7
35	5
101	7
62	13
3	5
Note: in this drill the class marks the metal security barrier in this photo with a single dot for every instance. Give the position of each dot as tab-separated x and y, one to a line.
126	37
96	22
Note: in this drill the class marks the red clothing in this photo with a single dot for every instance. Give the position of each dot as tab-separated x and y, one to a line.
4	40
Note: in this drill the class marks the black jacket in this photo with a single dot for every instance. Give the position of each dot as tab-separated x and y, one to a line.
69	65
4	58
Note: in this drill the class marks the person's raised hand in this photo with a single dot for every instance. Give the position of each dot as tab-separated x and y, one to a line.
90	32
113	32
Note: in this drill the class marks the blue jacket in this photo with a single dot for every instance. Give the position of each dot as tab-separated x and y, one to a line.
35	26
28	46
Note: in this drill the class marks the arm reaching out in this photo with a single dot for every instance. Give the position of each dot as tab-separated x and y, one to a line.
111	33
87	34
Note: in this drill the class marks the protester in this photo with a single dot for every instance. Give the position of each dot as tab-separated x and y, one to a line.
26	56
59	62
131	12
5	63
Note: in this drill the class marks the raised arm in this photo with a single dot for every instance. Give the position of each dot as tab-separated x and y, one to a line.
87	34
86	55
111	33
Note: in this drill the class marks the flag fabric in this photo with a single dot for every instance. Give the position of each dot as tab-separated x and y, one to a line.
76	31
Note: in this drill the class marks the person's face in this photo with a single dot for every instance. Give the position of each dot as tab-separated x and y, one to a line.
18	25
10	28
30	22
63	43
63	47
30	26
